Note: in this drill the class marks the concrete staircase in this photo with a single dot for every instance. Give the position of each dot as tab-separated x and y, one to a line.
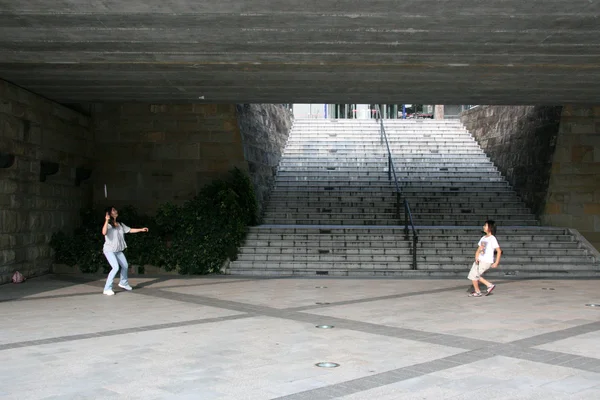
332	210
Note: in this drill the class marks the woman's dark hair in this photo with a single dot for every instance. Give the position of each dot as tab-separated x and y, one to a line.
491	226
108	210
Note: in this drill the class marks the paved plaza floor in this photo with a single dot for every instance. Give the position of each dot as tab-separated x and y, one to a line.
247	338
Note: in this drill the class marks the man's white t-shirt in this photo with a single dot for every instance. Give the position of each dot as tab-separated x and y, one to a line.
489	244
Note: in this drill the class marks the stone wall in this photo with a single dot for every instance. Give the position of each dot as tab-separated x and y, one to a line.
155	153
265	129
33	129
520	140
573	198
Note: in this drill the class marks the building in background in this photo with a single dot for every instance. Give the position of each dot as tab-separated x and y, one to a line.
362	111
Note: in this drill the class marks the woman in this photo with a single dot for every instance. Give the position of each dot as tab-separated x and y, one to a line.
114	244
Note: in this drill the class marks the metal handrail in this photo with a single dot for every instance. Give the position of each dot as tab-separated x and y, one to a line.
392	170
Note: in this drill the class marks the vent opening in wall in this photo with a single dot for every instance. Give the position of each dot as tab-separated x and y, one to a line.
82	174
47	168
7	160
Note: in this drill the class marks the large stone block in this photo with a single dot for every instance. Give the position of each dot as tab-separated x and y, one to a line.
553	208
165	151
189	151
11	128
7	257
591	208
8	186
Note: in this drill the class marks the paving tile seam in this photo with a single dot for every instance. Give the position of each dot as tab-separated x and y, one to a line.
463	343
387	378
429	337
519	349
99	281
401	333
371	299
58	296
123	331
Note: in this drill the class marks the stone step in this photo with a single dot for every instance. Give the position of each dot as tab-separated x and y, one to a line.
399	153
433	160
422	219
362	146
441	261
390	221
375	138
373	246
424	243
397	230
413	197
390	208
336	139
328	171
487	184
512	272
368	269
371	203
429	233
508	252
405	186
344	168
383	157
388	124
297	129
383	176
442	257
375	135
464	188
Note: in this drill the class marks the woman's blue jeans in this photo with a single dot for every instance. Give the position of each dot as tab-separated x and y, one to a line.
116	259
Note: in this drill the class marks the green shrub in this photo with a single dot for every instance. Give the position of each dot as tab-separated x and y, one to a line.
194	238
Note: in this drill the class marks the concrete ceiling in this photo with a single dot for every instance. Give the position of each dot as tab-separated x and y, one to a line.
343	51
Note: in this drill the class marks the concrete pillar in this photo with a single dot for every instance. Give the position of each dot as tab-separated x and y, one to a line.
438	111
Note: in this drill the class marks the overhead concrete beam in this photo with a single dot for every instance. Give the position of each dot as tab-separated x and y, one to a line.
469	52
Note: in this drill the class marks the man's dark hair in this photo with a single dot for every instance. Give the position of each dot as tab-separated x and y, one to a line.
491	226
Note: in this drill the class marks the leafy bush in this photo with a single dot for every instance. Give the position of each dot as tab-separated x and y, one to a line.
194	238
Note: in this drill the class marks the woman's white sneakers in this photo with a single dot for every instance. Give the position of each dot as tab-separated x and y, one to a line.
109	292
